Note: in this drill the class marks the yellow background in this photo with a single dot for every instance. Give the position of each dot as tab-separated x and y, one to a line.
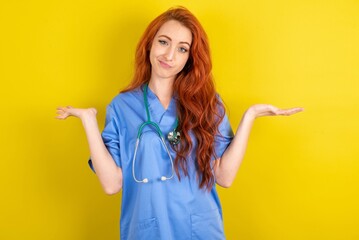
299	178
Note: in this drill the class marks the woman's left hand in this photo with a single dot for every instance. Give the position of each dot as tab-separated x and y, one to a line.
261	110
227	166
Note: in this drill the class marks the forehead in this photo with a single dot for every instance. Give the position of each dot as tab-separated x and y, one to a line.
176	31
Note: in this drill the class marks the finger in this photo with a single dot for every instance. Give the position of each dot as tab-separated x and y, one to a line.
267	114
60	117
290	111
296	110
63	110
299	109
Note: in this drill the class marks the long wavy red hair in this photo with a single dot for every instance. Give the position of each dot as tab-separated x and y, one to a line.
198	108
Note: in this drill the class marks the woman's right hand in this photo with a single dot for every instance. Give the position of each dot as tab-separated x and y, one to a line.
64	112
109	174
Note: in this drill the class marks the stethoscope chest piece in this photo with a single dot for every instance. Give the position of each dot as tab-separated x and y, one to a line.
174	137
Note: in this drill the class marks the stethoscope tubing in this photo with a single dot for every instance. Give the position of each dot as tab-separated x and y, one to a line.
139	134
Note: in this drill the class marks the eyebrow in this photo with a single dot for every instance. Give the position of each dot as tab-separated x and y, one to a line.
171	39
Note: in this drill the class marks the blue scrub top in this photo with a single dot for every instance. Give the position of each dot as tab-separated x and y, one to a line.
166	210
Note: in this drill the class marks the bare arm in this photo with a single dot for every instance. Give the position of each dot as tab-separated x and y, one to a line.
227	166
108	173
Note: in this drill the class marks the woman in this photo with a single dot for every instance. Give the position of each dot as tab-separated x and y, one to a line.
167	140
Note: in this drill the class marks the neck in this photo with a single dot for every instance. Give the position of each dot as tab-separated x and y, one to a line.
163	90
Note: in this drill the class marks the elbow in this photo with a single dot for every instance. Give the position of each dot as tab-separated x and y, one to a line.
224	179
225	183
112	189
113	184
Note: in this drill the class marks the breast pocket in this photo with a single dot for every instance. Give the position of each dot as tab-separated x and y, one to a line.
207	226
143	230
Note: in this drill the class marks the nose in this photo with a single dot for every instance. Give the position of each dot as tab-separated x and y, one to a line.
170	53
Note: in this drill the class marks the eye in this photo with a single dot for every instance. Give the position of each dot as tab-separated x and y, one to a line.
163	42
183	50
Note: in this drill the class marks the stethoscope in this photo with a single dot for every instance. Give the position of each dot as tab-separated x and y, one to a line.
173	137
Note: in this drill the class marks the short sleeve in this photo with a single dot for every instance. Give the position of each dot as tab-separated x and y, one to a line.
110	137
223	138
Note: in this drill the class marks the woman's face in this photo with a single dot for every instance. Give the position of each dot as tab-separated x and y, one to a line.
170	50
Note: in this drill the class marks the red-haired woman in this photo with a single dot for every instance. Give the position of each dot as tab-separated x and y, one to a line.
167	140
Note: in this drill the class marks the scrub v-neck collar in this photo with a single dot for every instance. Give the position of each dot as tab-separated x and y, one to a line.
157	111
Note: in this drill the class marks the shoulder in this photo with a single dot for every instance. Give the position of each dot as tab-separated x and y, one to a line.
221	109
127	99
219	98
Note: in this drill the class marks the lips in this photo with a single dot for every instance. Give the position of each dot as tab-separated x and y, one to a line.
164	65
